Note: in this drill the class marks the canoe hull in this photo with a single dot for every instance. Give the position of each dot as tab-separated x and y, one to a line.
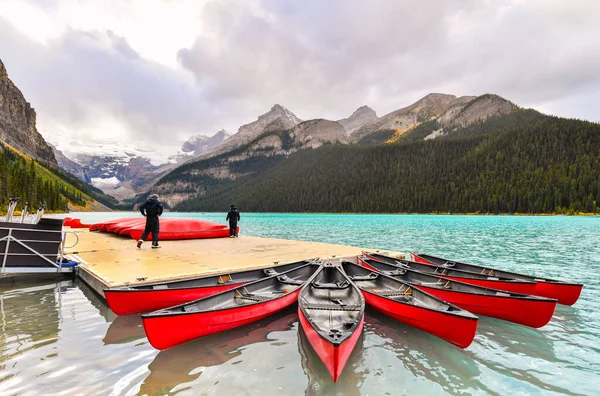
454	329
515	287
565	293
175	235
127	302
334	357
167	331
529	312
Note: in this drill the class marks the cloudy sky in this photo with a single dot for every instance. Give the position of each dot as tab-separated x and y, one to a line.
155	72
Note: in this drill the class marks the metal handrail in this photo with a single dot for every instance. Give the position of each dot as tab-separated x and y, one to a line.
60	253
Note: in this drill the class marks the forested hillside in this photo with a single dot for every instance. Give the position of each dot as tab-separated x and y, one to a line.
522	162
28	180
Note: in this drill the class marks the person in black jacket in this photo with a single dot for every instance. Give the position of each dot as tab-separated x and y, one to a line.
233	216
152	209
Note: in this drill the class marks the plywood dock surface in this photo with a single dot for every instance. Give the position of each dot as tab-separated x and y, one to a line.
115	261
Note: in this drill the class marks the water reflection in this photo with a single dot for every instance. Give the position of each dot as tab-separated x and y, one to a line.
124	329
424	356
319	380
178	365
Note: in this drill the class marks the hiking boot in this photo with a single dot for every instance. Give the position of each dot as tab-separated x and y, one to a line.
155	246
139	243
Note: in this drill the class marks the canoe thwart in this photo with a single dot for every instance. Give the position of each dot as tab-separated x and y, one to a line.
338	285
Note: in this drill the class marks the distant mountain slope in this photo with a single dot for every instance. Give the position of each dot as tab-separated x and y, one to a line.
397	122
199	144
37	184
257	156
248	132
520	162
461	115
362	116
17	122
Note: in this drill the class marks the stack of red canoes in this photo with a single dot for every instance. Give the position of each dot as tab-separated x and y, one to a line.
565	292
524	309
440	298
170	229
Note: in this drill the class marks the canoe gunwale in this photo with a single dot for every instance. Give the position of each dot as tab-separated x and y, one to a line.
524	276
168	312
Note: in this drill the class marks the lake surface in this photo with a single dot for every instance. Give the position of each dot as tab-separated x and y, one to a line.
60	337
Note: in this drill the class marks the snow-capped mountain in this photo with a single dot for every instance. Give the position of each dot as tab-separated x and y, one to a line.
199	144
248	132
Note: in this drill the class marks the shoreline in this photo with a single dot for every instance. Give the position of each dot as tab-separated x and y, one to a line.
578	214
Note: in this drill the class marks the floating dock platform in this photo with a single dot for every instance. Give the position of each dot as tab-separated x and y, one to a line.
107	260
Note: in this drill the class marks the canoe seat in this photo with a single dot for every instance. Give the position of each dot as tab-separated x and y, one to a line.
343	284
371	276
253	297
289	281
332	307
395	272
160	287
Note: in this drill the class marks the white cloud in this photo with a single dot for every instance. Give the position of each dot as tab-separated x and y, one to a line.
158	72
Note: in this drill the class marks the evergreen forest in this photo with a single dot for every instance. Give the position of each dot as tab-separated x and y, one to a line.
522	162
26	179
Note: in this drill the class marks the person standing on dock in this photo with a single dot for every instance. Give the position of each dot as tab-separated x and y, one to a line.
233	216
151	209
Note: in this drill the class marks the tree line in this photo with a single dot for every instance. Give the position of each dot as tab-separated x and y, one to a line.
522	162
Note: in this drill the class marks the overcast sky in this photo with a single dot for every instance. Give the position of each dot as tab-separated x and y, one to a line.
156	72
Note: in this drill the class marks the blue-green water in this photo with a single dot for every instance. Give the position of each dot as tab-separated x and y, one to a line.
60	338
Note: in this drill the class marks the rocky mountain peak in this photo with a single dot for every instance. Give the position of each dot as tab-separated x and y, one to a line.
361	116
18	122
427	108
248	132
3	73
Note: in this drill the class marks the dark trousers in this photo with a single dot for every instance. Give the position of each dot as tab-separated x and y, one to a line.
233	228
152	227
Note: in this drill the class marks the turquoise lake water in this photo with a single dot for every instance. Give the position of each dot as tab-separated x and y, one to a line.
60	338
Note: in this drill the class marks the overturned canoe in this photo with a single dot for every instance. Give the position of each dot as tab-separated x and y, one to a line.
331	313
172	326
524	309
174	229
414	307
565	292
148	297
493	282
103	225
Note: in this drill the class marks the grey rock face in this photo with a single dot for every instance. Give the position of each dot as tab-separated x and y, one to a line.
361	116
426	109
249	132
17	122
315	133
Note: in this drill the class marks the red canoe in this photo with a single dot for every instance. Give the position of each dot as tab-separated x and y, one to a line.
148	297
173	229
493	282
524	309
233	308
102	226
566	293
414	307
125	224
76	223
331	312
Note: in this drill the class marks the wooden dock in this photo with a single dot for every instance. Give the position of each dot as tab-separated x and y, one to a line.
107	260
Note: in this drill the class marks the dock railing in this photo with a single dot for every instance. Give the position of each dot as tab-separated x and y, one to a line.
31	251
